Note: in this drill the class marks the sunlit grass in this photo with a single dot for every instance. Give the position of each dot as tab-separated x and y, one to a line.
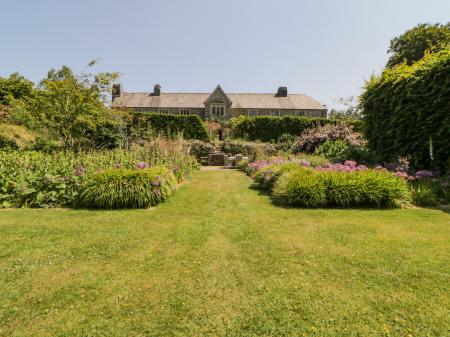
219	259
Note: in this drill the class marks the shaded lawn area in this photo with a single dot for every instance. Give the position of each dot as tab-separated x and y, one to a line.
219	259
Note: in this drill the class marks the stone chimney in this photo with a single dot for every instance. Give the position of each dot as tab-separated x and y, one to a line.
282	92
117	91
156	90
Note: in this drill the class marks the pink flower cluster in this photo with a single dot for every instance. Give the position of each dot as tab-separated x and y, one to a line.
348	166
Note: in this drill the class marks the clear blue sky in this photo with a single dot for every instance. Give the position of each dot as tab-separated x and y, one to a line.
324	48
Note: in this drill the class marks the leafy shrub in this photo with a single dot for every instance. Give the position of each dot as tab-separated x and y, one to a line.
16	137
285	141
125	188
200	149
315	136
250	149
301	187
367	188
169	126
334	150
270	129
406	111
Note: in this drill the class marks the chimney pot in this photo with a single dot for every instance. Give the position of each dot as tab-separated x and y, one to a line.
282	92
117	91
157	90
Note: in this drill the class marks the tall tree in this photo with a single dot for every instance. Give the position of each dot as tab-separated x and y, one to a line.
412	45
70	106
14	87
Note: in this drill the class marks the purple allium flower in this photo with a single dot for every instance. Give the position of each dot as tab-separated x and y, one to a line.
423	174
361	168
305	163
401	174
350	163
141	165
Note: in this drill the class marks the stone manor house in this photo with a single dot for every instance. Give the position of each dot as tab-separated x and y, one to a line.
218	104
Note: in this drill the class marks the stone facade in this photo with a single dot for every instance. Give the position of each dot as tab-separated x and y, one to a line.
219	105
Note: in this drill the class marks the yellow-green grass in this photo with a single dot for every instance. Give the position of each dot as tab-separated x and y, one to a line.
219	259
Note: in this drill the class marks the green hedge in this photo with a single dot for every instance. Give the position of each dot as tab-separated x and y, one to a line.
407	112
268	128
192	127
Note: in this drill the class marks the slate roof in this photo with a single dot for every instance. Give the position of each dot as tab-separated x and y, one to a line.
196	100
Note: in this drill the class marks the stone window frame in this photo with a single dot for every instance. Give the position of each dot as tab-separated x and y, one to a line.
218	109
185	112
274	112
252	112
164	111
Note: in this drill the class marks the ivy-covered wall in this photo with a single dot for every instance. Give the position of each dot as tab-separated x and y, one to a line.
267	129
191	126
407	112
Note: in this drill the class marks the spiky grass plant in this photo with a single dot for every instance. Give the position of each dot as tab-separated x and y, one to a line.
268	176
127	188
301	187
369	188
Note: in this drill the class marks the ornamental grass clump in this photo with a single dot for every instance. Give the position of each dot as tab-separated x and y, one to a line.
366	188
301	187
126	188
268	176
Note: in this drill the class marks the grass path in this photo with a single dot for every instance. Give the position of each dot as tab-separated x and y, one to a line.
219	259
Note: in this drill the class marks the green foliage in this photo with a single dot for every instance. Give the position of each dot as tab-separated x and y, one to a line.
255	150
301	187
313	137
200	149
70	107
334	150
14	87
285	141
412	45
38	179
125	188
16	137
268	129
369	188
406	112
170	126
424	194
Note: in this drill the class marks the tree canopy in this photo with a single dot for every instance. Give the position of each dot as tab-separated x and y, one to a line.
412	45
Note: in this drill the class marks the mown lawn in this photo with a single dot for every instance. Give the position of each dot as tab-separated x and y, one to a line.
219	259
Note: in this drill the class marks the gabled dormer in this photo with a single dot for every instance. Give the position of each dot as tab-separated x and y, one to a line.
218	104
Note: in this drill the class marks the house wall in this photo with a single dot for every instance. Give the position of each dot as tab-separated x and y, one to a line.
203	113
